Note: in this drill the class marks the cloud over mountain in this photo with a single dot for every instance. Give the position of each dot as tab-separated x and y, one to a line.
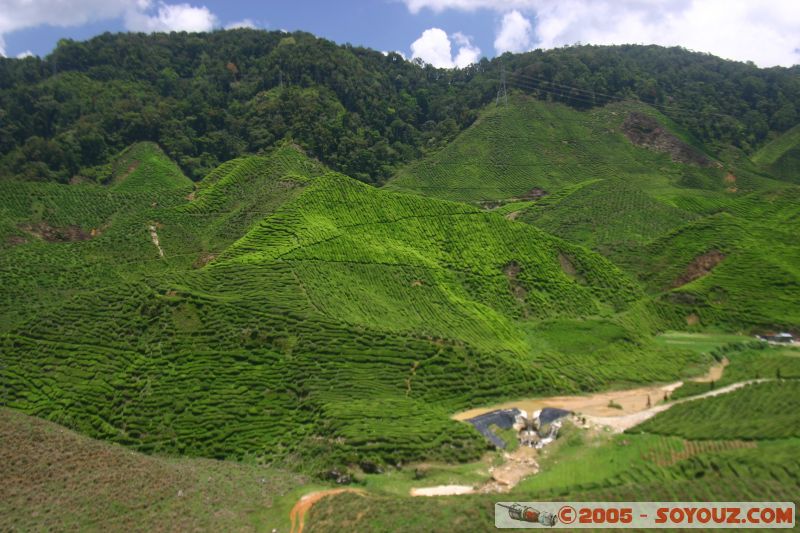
766	32
435	47
138	15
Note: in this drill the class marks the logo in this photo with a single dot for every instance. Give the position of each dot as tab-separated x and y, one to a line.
522	513
643	515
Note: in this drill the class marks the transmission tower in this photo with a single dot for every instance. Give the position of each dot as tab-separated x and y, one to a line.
502	93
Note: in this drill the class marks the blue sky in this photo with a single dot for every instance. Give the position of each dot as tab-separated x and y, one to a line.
445	33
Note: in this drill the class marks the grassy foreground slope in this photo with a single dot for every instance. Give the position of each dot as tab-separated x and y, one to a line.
57	480
286	313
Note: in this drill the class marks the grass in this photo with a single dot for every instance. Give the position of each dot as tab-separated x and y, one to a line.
398	482
702	343
54	479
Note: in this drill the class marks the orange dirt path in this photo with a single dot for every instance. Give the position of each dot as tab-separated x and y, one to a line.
298	513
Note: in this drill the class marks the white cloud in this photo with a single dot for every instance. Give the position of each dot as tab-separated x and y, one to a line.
437	6
20	14
467	52
244	23
172	17
766	32
140	15
514	34
26	53
2	47
434	47
398	52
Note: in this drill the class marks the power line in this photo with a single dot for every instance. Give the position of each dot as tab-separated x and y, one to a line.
586	100
502	91
579	98
592	93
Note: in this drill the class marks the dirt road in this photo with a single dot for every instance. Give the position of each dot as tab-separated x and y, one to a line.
594	407
621	423
626	402
629	401
298	513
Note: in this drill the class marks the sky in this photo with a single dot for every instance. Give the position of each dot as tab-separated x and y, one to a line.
444	33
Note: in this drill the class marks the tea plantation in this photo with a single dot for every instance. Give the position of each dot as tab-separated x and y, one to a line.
736	447
281	312
278	312
688	226
767	410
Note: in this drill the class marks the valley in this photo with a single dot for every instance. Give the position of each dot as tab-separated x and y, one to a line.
269	343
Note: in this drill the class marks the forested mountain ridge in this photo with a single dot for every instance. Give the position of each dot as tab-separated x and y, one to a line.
192	265
207	98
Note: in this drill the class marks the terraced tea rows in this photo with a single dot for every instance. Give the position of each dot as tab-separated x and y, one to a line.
758	411
593	178
754	360
781	157
532	148
144	167
607	215
297	315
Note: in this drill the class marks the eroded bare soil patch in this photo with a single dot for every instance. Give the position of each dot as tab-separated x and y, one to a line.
49	233
645	131
702	265
204	259
534	194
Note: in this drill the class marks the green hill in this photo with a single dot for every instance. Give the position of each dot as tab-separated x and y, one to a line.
212	97
781	157
612	178
144	167
288	313
531	149
194	262
627	182
728	270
